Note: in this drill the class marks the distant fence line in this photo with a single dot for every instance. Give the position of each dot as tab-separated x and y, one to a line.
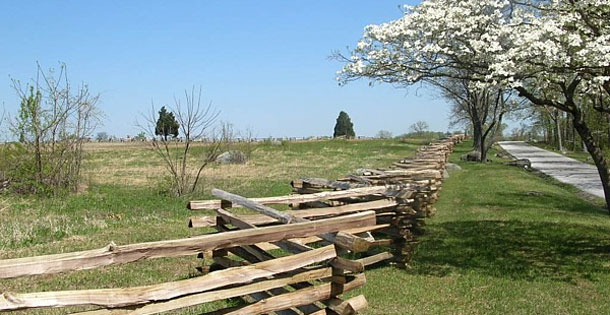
241	140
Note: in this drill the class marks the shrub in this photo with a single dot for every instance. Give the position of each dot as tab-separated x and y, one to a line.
53	122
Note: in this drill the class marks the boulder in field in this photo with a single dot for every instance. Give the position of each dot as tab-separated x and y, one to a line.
473	156
232	157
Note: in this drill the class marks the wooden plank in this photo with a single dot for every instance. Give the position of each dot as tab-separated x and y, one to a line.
111	298
354	266
344	209
202	221
200	298
114	254
314	239
307	213
359	179
338	262
254	219
364	171
284	244
311	204
411	167
299	297
247	252
408	173
322	182
423	160
389	191
345	240
257	254
348	307
255	297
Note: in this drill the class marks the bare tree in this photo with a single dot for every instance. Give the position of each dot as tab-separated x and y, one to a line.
384	134
2	118
250	139
3	160
53	122
419	127
196	122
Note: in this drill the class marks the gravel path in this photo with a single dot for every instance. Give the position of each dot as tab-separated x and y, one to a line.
562	168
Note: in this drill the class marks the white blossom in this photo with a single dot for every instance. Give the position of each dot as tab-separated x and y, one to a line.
497	41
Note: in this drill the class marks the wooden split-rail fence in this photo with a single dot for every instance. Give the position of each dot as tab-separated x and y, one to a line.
283	262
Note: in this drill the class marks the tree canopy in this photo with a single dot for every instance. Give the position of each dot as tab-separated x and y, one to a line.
344	126
554	53
419	127
166	124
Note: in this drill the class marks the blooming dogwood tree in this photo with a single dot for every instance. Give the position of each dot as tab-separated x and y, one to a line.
562	60
446	43
553	52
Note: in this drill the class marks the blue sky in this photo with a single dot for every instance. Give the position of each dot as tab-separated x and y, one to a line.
264	64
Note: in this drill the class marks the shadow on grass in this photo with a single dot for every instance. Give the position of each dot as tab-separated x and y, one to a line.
595	200
508	201
515	250
504	222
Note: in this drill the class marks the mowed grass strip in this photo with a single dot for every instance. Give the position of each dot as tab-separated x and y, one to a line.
504	241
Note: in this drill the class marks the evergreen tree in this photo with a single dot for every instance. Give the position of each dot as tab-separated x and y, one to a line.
166	124
344	126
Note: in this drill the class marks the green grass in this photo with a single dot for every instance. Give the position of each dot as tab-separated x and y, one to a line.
504	240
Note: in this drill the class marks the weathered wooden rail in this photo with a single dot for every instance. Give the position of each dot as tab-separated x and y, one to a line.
314	274
283	262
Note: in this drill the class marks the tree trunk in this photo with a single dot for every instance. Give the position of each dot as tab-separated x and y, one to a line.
483	148
571	135
595	151
490	133
549	131
608	124
477	133
559	140
38	158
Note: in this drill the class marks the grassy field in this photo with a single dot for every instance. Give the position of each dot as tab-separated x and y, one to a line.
504	240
